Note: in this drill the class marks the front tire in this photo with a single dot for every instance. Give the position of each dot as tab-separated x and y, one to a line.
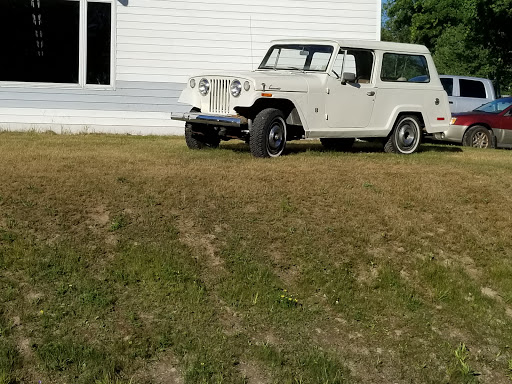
268	133
195	139
478	137
406	136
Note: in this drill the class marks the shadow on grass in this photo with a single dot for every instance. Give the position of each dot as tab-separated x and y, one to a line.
440	148
359	147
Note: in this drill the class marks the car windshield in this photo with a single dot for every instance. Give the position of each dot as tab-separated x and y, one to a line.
298	57
496	106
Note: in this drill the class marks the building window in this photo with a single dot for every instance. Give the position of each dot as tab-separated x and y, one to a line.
99	20
41	41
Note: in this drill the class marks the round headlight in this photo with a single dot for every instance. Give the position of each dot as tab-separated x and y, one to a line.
204	87
236	88
247	85
192	83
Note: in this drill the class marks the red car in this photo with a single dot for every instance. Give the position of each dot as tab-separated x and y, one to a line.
488	126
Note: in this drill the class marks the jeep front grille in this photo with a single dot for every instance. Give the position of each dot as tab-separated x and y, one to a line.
219	96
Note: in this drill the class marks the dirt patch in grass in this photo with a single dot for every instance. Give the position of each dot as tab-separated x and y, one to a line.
204	244
253	373
163	371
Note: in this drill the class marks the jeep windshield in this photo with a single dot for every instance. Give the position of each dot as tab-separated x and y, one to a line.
298	57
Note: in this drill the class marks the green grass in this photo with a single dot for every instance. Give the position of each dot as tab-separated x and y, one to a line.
135	260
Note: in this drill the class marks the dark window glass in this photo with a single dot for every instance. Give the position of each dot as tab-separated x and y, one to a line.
39	40
363	62
398	67
472	88
98	43
447	85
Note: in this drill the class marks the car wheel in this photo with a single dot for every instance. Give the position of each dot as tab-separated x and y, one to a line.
478	137
196	139
405	137
268	133
337	144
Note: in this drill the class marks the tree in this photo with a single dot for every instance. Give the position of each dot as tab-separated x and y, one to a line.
466	37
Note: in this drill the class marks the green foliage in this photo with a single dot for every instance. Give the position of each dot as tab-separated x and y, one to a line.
461	369
84	362
466	37
9	360
107	379
119	222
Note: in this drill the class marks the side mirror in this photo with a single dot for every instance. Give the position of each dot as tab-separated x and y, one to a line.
348	77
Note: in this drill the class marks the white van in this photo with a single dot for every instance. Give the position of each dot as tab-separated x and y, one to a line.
467	93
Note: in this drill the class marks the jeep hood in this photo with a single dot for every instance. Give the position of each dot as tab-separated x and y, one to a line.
284	81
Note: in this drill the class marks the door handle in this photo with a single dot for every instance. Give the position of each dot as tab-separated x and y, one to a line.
451	102
371	93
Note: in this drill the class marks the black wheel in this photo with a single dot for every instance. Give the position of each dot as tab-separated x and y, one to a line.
478	137
405	137
268	133
337	144
197	139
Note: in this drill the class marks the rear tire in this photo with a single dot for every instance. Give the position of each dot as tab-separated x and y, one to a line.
196	139
405	137
268	133
342	145
478	137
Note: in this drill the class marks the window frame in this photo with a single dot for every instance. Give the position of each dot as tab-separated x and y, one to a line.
82	54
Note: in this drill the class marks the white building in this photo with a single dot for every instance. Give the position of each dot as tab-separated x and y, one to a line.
119	65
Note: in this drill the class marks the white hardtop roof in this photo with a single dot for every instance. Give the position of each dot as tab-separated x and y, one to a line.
365	44
462	77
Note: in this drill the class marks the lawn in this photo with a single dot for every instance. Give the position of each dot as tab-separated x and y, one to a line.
134	260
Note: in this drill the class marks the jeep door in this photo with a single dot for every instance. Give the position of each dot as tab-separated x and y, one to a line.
349	104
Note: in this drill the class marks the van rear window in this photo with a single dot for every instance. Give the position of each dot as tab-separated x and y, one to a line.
472	88
406	68
447	85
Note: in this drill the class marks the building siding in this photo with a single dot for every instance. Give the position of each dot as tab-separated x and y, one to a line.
160	43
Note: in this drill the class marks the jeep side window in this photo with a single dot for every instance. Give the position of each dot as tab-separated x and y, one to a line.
400	67
357	61
472	88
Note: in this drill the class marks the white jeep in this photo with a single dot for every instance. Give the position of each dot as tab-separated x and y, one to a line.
335	90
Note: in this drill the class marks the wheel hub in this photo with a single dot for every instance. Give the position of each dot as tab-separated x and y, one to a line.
480	140
276	137
406	135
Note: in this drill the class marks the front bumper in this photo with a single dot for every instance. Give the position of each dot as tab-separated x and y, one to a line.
216	120
454	133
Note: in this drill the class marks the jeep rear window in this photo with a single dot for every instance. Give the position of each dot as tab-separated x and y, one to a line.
298	57
404	68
